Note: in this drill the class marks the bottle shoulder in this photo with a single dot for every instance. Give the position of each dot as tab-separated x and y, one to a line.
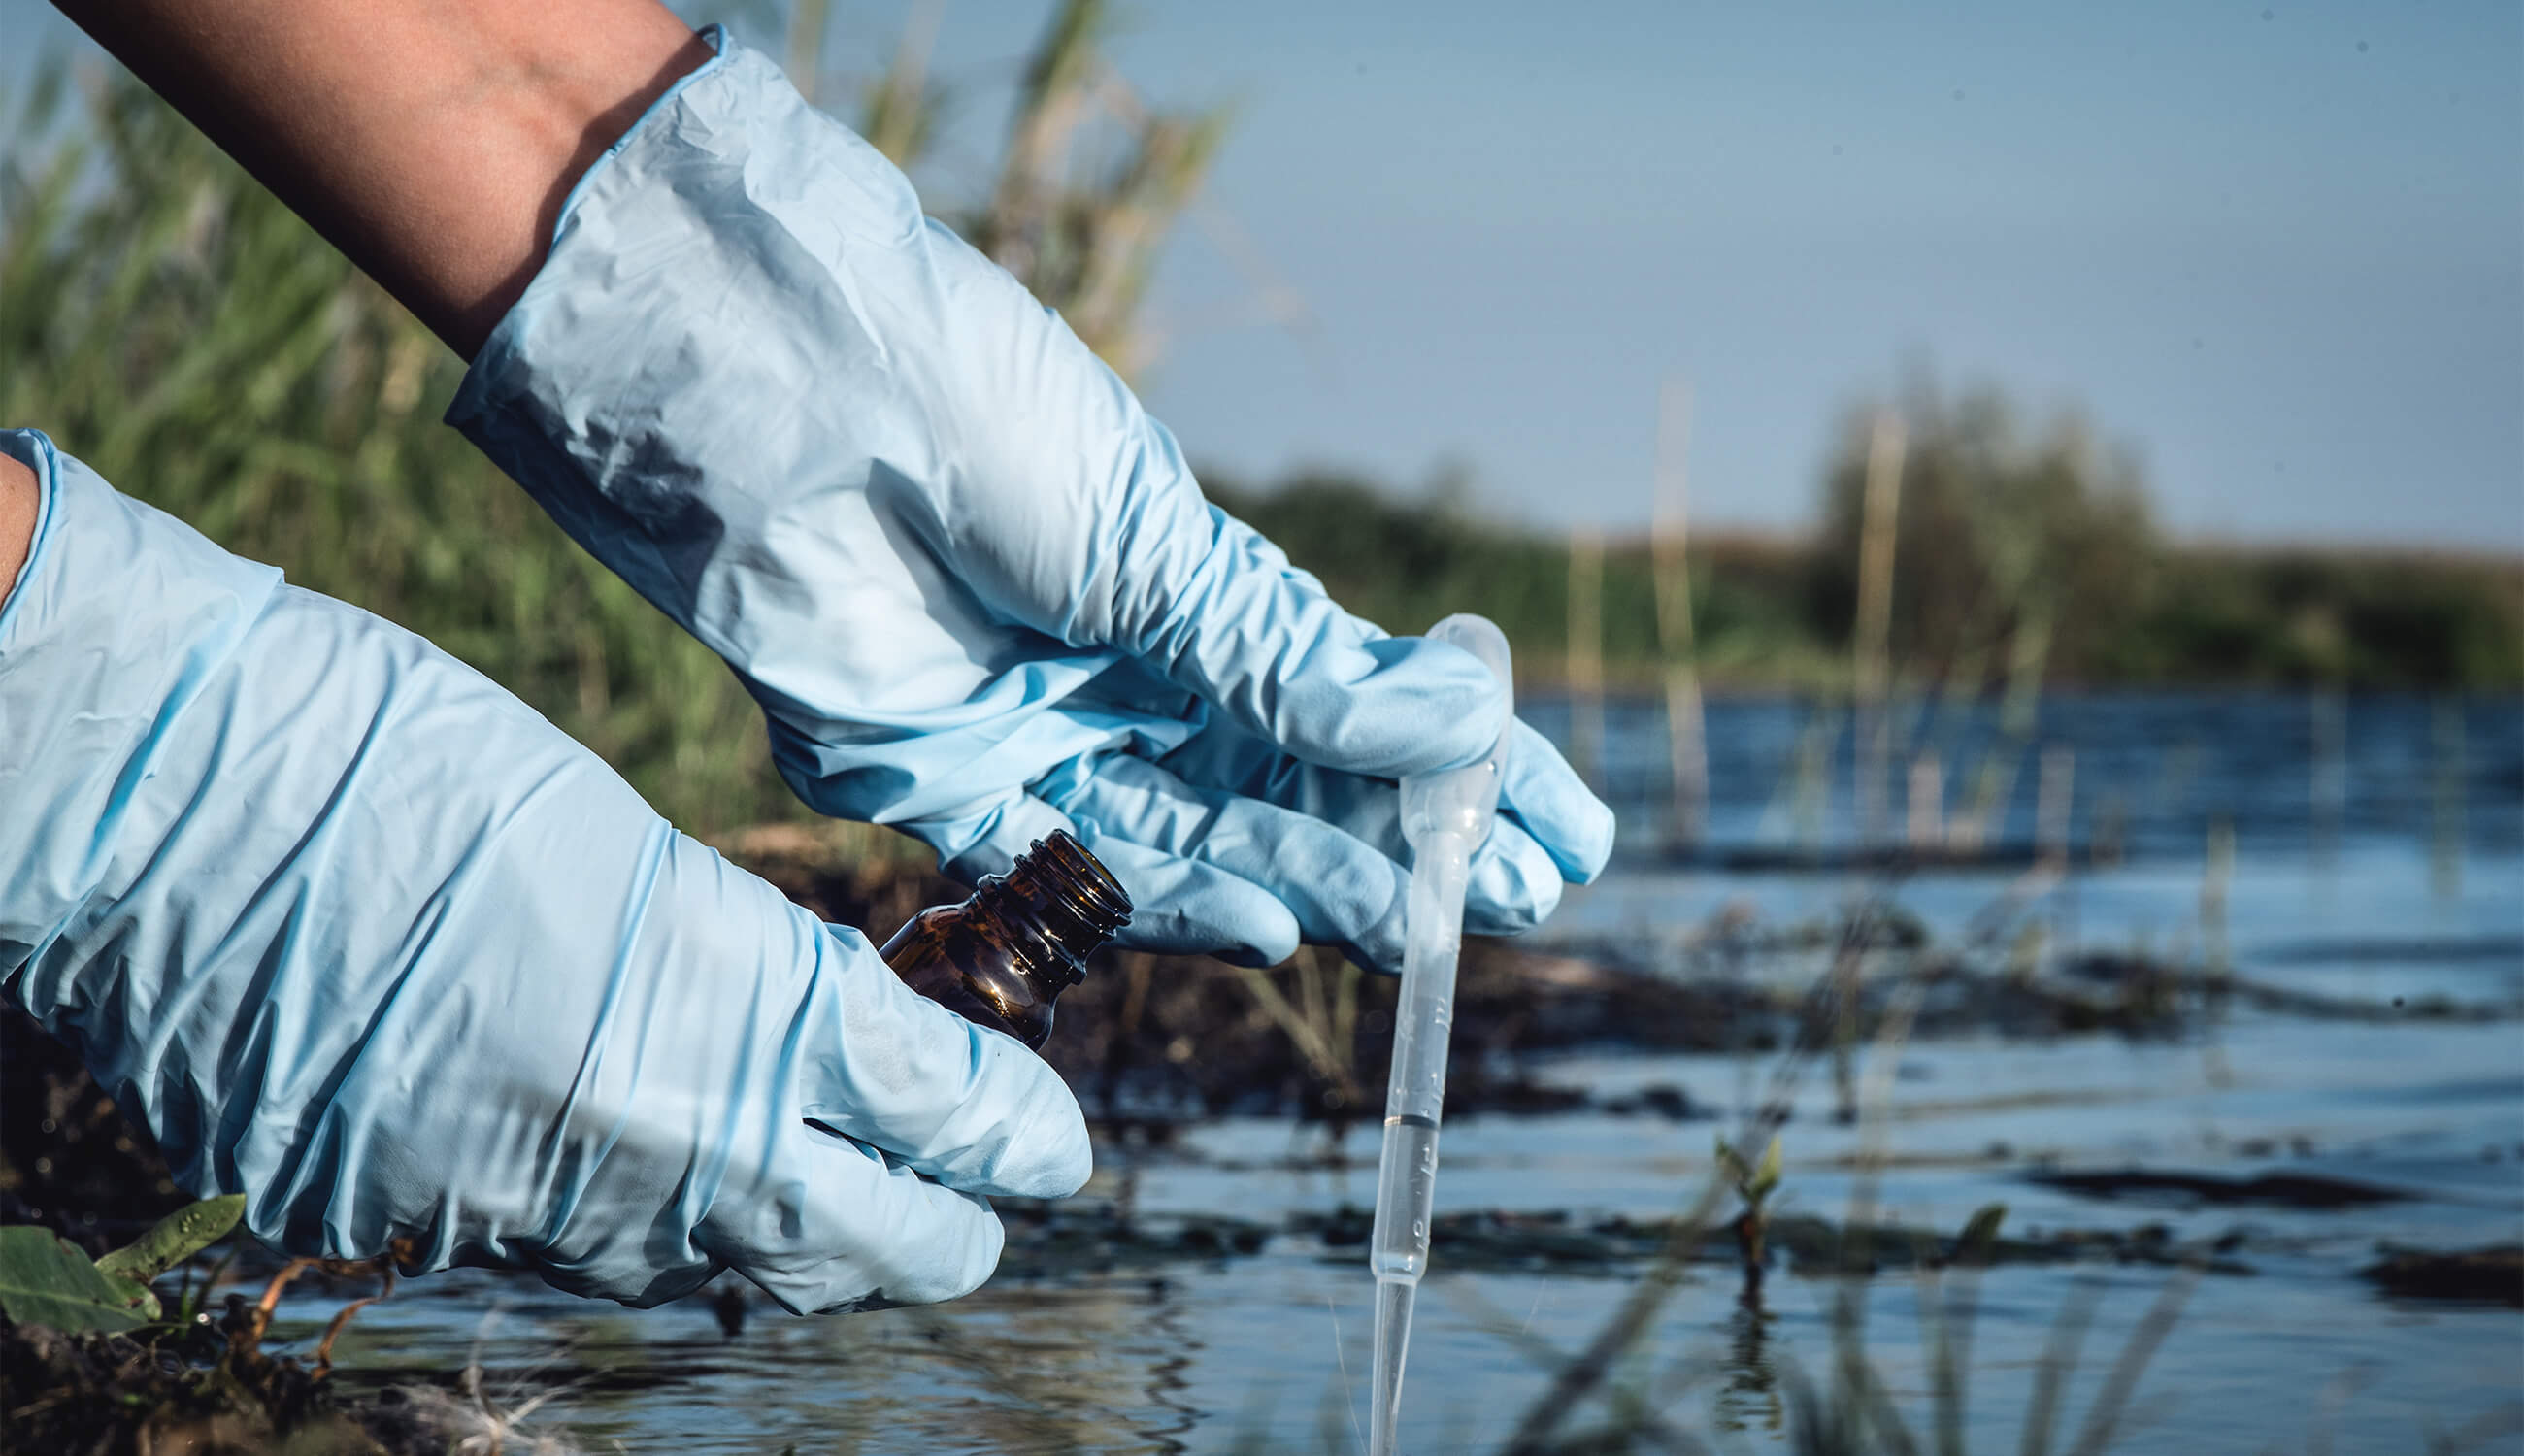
926	931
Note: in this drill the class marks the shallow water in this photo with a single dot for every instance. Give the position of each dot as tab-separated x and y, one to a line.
2360	884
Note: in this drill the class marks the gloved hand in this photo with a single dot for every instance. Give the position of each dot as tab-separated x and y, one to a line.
974	587
362	937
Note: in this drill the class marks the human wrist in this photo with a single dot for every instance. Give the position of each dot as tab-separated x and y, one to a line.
19	502
432	141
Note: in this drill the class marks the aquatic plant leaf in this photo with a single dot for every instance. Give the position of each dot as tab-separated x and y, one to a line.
1767	1176
44	1279
174	1239
1981	1234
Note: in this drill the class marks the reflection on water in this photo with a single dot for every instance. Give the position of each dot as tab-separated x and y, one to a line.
2146	774
2335	884
1748	1400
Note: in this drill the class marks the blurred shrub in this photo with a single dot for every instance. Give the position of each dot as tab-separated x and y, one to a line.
2000	528
1403	562
2377	620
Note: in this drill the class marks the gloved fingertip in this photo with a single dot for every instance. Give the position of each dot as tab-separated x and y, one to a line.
836	1226
1586	845
951	1274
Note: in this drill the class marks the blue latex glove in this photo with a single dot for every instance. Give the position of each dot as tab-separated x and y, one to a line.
975	588
362	937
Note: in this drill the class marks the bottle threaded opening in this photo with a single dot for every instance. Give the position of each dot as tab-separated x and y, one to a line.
1059	900
1062	865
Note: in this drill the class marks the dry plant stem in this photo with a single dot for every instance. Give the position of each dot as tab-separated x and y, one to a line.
1309	1038
1646	1422
261	1320
1345	1012
324	1347
806	68
258	1320
1848	978
1950	1346
2028	651
1873	627
1849	1316
1587	653
2059	1357
1673	580
1310	991
2481	1429
2103	1416
1579	1378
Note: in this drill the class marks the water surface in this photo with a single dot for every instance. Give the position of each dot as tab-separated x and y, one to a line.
2378	868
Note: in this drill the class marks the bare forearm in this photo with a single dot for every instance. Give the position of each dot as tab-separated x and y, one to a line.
17	521
432	141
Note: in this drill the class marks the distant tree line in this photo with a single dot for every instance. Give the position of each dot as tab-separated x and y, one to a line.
2015	549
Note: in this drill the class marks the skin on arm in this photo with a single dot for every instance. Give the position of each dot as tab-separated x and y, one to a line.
17	521
432	141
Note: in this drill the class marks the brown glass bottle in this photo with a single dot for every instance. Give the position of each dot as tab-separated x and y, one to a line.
1023	937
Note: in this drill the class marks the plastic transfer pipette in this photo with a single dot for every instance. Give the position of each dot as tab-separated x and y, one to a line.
1445	817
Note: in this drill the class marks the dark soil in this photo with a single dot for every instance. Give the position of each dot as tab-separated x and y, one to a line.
2308	1190
108	1395
1151	1043
1154	1040
1503	1240
2480	1276
69	1158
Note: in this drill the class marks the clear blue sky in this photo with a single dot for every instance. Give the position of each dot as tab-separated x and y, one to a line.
2276	247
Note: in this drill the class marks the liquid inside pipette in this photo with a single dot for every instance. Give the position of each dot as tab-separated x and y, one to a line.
1445	816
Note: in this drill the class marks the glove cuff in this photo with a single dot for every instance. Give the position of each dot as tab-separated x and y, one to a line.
757	383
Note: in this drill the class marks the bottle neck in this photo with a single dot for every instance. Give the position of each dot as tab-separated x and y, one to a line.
1053	907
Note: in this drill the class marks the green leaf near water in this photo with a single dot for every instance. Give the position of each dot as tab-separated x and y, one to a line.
1767	1176
44	1279
1981	1234
174	1239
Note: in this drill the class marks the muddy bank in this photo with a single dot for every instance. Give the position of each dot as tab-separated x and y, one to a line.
189	1392
2479	1276
1152	1043
2304	1191
1078	1237
1082	1235
1151	1040
69	1158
